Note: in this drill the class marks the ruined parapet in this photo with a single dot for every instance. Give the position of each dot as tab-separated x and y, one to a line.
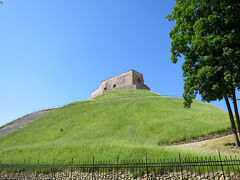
128	80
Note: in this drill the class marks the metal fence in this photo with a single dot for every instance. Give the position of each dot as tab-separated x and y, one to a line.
180	168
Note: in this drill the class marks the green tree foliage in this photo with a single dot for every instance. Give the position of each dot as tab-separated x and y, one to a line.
207	35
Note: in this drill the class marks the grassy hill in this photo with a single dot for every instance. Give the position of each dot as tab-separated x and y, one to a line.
127	124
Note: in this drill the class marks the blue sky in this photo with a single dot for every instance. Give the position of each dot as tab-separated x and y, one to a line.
55	52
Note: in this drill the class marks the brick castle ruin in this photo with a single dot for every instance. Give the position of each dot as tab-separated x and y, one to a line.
128	80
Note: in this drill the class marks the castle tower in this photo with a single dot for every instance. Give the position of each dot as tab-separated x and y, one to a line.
128	80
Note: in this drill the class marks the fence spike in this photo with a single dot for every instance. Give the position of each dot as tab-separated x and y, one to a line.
117	167
93	175
221	165
181	168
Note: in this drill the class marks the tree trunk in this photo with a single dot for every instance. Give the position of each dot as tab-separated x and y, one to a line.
234	130
236	110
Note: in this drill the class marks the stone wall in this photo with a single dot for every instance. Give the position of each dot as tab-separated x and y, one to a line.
121	175
128	80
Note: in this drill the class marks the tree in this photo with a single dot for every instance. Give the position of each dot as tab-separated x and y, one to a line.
207	35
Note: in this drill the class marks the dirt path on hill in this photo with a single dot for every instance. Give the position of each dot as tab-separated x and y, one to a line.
21	122
204	138
224	144
195	146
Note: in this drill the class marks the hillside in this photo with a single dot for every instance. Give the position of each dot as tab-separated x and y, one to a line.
127	124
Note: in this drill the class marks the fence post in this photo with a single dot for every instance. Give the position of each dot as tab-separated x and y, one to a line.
117	167
175	165
221	164
37	170
23	168
53	169
147	165
181	165
72	168
11	165
93	168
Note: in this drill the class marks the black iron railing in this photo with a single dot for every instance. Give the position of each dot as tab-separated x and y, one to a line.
180	168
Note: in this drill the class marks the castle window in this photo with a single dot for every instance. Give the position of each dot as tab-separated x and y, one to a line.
114	85
105	88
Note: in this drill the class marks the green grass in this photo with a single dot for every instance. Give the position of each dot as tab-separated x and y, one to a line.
127	124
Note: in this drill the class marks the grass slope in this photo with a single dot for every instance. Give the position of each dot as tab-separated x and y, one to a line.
127	124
